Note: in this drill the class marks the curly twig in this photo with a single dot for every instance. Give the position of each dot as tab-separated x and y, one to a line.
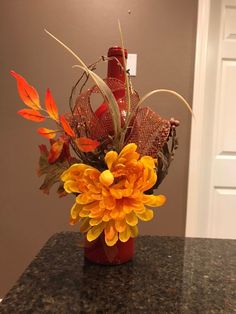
91	67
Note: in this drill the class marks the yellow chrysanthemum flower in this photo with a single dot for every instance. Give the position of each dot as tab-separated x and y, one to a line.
113	200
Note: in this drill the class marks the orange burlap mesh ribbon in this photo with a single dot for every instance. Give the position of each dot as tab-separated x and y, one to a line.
147	129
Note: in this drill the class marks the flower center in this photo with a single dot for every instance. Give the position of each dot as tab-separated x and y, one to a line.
106	178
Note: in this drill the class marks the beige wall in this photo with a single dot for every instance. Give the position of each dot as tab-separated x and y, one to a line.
161	32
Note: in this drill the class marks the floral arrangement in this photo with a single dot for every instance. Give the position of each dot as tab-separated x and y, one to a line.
111	163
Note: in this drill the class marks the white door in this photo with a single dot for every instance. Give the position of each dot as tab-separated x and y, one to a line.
211	208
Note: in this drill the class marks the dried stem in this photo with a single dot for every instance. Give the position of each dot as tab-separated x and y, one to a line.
127	89
92	67
104	89
161	91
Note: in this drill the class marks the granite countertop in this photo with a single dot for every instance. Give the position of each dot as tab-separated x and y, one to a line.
167	275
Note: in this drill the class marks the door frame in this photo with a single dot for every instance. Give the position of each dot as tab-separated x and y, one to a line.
198	216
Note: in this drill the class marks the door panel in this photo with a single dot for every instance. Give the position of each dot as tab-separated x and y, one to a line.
224	224
223	174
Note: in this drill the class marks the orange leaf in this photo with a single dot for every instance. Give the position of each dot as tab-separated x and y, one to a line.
51	105
86	144
55	151
67	128
31	114
47	132
27	93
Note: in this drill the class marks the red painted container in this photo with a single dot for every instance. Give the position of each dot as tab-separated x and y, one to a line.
115	71
97	251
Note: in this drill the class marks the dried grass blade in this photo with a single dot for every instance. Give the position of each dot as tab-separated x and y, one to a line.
126	75
107	93
105	90
165	91
169	91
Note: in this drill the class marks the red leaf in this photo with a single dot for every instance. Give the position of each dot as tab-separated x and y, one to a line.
67	128
27	93
43	149
51	105
86	144
101	110
55	151
31	114
47	132
60	191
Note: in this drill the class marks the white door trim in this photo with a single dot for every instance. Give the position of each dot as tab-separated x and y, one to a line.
195	204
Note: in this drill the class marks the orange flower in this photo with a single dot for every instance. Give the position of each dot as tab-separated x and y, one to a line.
113	200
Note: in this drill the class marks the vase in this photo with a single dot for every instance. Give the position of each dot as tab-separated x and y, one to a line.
98	252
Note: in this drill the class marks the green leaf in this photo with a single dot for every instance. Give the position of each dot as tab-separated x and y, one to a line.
53	171
61	191
52	177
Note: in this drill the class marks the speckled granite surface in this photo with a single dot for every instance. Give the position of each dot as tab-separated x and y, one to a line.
167	275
